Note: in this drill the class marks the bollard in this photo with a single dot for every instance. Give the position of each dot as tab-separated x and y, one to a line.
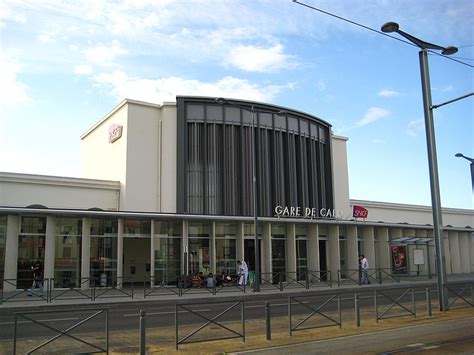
428	302
357	310
142	332
268	327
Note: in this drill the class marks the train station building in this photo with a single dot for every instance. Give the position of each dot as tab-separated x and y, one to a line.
167	189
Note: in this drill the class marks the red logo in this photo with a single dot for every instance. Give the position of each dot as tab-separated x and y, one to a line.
359	212
115	132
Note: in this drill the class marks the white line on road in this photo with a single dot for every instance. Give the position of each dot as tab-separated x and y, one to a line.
40	320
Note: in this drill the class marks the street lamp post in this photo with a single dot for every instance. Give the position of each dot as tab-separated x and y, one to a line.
431	144
471	160
253	111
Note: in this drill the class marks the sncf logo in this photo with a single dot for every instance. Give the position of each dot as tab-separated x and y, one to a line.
359	212
115	132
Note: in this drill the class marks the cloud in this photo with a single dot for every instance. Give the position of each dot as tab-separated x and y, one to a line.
82	69
388	93
414	127
259	59
121	86
104	55
379	141
12	91
372	115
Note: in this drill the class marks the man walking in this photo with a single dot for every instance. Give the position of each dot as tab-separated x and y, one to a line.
243	272
37	279
364	265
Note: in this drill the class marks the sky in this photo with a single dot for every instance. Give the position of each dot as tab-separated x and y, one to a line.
65	64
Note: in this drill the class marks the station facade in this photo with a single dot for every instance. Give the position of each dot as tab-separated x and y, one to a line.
167	190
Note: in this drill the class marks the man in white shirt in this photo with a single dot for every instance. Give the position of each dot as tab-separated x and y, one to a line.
243	272
364	265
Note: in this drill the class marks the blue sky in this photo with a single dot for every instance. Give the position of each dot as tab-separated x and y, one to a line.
65	64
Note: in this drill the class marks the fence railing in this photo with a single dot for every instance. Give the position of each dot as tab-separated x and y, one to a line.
460	295
209	317
395	298
33	317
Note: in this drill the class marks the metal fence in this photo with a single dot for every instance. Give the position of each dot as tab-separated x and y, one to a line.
396	297
460	295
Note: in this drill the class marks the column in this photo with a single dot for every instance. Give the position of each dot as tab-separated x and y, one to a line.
11	252
447	255
85	252
455	252
212	249
464	248
471	248
334	253
369	245
120	253
49	249
184	253
266	250
352	252
313	248
384	249
239	253
291	250
152	255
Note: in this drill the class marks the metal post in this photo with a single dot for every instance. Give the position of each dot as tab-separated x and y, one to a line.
339	310
14	334
376	307
428	302
413	301
289	317
255	203
268	329
242	313
176	324
107	339
357	309
434	179
142	332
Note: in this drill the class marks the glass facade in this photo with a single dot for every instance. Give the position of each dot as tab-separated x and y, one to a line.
167	245
103	257
301	250
67	262
198	247
30	248
216	151
279	248
226	242
343	251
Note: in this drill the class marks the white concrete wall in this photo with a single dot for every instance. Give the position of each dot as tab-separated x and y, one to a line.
340	175
22	190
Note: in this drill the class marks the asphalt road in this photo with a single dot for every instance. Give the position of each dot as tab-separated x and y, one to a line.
125	316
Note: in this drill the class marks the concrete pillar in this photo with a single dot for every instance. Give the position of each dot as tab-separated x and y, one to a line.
352	251
447	254
471	248
239	253
455	252
120	253
266	250
11	252
152	254
464	249
212	249
85	252
49	249
369	245
431	251
184	253
291	249
384	249
313	248
334	253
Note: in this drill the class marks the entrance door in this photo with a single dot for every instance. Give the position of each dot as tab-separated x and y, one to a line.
136	259
249	254
322	259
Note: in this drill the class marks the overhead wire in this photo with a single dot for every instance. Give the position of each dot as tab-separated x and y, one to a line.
377	31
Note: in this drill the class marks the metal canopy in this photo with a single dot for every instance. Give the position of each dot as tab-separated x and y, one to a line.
411	240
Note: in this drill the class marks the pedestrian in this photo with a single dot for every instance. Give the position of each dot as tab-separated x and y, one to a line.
364	265
37	279
243	272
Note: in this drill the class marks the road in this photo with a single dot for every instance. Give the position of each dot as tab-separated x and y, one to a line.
447	337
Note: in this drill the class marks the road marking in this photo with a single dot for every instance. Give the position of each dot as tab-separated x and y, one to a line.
430	347
415	345
40	320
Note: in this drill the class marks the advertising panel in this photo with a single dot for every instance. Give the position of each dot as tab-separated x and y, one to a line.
399	259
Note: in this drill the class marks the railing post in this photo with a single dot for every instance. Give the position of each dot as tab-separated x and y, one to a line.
307	280
380	276
176	320
428	302
330	279
413	301
268	329
357	309
376	307
338	278
339	310
289	317
281	280
142	332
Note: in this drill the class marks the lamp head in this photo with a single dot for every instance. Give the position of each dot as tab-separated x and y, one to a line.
390	27
220	101
459	155
449	50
